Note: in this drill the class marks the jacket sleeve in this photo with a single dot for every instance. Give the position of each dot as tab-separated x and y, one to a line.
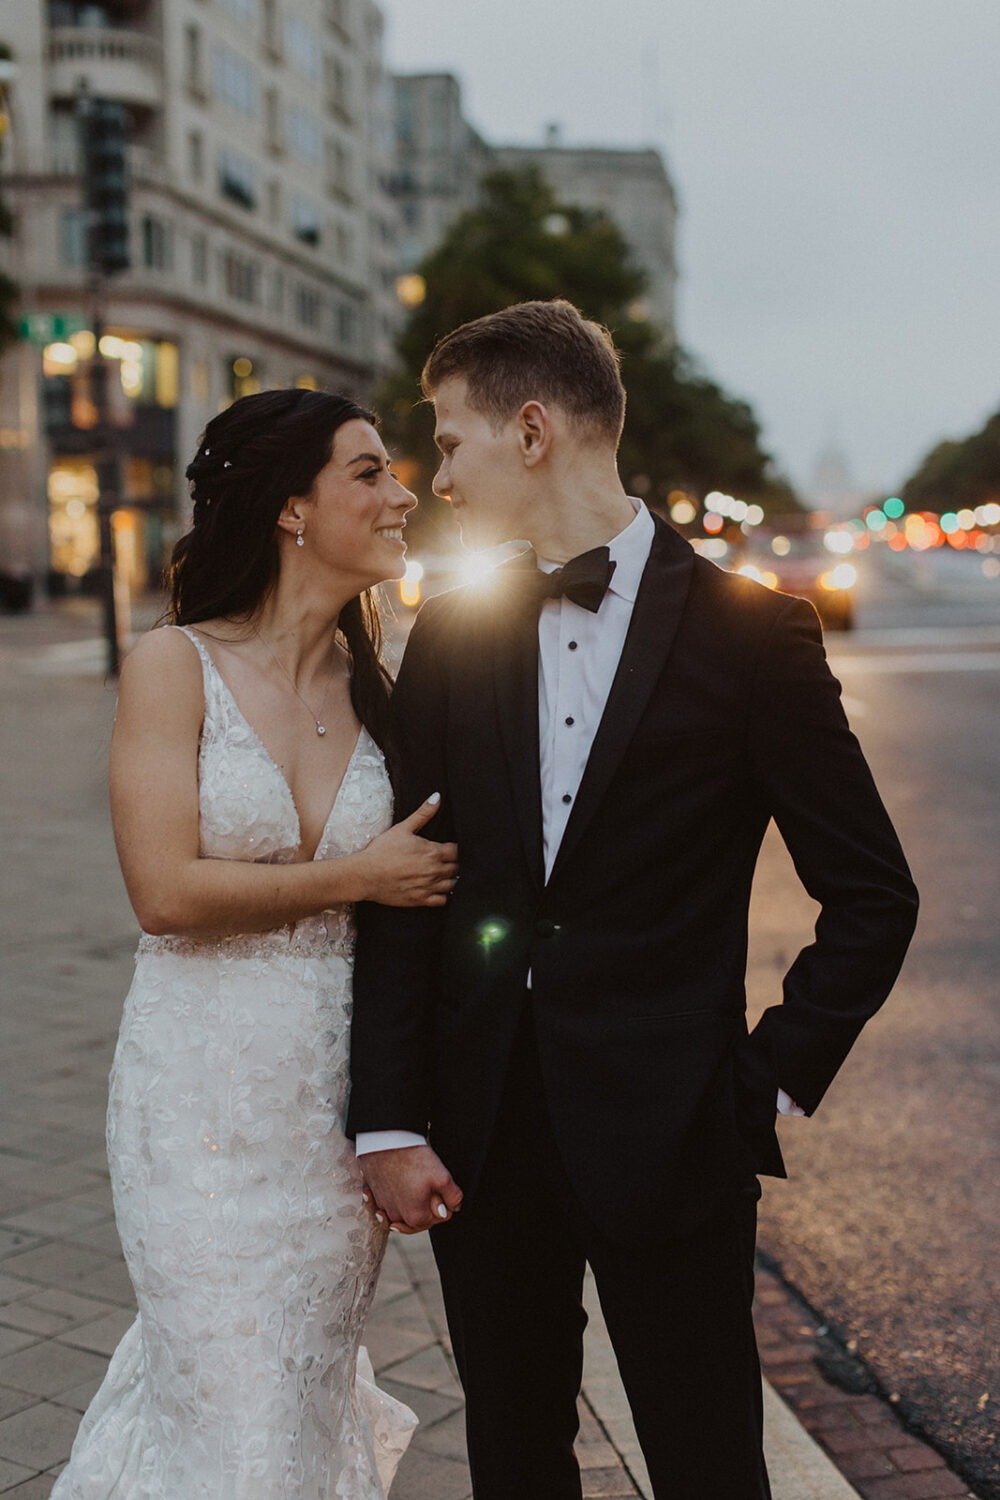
397	959
809	771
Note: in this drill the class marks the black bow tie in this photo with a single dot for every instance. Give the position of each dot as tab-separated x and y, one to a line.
583	579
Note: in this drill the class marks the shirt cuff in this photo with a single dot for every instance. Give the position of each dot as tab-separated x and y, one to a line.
787	1105
386	1140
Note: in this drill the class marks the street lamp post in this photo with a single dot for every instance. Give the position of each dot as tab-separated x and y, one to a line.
103	135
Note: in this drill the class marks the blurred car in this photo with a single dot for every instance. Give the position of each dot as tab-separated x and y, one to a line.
806	569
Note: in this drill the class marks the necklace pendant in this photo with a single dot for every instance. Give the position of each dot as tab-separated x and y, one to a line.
321	729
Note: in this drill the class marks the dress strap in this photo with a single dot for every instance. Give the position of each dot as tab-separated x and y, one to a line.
209	671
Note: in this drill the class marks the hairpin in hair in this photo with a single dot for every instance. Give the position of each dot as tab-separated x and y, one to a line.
226	464
207	452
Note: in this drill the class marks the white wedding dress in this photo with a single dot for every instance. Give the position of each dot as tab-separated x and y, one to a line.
237	1196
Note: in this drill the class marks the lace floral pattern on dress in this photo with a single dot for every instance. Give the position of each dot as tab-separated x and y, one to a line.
237	1196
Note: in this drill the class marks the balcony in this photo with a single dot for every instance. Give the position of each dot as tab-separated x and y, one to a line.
115	64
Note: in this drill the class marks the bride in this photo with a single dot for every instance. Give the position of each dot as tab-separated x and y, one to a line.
252	808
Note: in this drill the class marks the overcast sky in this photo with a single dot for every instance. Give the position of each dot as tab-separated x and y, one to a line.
838	168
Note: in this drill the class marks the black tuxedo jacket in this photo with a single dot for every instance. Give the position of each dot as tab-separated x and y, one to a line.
723	714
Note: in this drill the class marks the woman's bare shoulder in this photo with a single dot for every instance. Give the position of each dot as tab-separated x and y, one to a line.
163	665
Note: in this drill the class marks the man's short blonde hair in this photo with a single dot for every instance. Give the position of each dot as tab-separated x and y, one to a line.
534	351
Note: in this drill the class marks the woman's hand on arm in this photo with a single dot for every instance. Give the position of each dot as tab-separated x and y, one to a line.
402	869
154	805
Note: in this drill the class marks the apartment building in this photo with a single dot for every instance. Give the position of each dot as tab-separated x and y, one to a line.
263	246
632	187
441	159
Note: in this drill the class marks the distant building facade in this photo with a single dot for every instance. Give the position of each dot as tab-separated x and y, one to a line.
263	244
633	189
441	160
832	489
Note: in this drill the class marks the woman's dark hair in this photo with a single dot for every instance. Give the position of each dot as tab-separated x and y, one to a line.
251	459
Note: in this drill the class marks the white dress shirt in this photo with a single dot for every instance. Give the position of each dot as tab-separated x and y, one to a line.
578	655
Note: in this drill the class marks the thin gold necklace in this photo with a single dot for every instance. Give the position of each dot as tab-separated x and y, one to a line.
320	726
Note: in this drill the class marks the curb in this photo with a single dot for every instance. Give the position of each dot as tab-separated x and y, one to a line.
799	1468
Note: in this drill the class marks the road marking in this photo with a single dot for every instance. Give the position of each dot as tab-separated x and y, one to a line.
947	661
919	635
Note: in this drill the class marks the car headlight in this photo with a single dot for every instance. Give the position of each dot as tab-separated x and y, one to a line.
843	576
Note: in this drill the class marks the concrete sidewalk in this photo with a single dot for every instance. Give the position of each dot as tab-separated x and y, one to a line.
65	1299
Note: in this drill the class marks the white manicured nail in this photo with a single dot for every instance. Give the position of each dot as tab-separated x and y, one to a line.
434	797
442	1212
379	1219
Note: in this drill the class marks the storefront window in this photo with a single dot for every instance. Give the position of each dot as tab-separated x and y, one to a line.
73	536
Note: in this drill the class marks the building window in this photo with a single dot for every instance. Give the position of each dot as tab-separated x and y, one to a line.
234	80
302	48
305	137
338	170
199	259
194	62
276	295
308	306
156	244
273	133
305	220
73	237
345	244
244	377
240	277
338	87
347	323
237	179
196	156
274	203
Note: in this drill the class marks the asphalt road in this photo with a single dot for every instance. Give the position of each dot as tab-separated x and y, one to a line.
890	1222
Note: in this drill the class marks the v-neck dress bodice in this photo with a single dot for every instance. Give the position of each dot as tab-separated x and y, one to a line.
237	1196
246	811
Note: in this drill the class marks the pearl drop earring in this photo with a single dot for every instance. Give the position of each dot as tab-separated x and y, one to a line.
299	541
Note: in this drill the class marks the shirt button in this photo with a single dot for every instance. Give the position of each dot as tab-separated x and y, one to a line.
567	797
570	722
572	645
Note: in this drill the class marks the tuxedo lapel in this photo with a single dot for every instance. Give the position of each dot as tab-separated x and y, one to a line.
656	615
515	680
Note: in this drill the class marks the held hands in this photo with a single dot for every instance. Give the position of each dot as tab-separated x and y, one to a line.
410	1188
403	869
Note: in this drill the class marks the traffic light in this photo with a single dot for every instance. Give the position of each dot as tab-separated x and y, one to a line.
106	183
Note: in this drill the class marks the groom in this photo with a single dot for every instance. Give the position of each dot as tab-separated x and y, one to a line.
562	1051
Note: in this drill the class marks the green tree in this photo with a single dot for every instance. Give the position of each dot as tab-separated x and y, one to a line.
682	432
958	474
520	242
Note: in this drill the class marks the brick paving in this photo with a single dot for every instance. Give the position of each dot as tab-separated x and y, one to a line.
861	1432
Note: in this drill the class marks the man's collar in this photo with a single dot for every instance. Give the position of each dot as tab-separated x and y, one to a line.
629	550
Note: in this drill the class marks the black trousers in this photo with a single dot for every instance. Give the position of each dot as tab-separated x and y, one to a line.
678	1313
